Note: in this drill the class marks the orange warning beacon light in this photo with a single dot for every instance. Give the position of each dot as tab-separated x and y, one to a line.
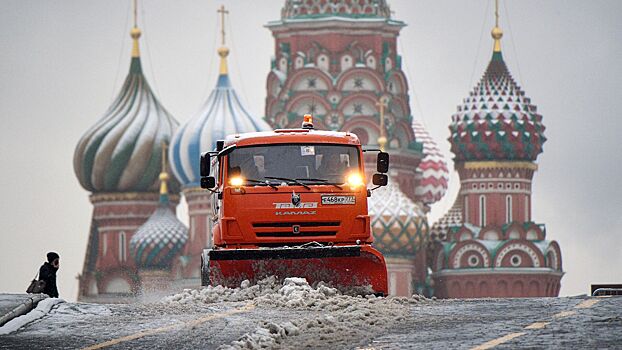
307	122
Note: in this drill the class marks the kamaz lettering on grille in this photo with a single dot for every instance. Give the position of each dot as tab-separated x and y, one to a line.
286	205
295	212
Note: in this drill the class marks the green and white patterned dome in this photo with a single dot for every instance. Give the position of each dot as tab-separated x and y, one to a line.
398	224
162	237
497	121
159	240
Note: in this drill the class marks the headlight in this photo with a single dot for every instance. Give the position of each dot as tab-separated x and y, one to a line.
355	180
236	181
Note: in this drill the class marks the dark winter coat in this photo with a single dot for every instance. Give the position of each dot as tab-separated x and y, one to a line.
47	273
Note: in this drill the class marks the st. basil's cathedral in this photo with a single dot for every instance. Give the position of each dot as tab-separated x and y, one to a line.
337	60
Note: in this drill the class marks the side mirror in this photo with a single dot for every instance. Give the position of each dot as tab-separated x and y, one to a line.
380	179
382	162
220	144
205	164
208	182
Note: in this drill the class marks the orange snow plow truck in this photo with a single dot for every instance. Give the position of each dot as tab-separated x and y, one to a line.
292	203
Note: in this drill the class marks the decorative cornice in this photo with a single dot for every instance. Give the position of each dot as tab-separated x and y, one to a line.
494	191
286	30
407	262
130	196
497	165
498	271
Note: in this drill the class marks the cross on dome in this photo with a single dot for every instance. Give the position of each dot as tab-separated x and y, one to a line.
223	51
382	104
496	32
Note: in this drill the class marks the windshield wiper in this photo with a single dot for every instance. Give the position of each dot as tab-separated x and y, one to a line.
286	179
263	182
323	181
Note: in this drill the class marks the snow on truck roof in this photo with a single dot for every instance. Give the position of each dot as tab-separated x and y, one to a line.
292	136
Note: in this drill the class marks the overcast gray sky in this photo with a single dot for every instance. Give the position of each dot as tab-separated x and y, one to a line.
62	62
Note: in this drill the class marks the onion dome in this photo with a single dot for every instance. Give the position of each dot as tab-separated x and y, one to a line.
399	226
222	114
432	175
496	121
120	153
300	9
158	241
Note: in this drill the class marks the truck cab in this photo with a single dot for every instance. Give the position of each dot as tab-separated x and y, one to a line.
288	189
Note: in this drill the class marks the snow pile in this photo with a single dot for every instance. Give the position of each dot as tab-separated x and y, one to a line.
332	319
269	335
218	294
341	317
328	318
297	293
42	309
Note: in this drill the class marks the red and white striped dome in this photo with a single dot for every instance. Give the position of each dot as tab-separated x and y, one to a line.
432	174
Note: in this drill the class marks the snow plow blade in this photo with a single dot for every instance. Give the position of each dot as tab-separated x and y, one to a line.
352	269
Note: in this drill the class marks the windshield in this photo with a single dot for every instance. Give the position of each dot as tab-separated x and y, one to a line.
306	163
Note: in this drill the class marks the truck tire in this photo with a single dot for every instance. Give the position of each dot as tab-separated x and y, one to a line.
205	273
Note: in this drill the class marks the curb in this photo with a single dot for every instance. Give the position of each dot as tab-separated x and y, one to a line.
23	308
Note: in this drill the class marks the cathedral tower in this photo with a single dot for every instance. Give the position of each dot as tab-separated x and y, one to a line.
338	61
487	245
118	160
222	114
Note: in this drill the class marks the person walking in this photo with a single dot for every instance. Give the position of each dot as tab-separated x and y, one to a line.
47	273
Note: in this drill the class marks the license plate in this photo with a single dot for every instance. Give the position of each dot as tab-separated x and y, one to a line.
328	200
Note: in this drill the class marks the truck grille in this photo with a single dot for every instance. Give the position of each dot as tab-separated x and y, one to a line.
291	234
305	229
301	224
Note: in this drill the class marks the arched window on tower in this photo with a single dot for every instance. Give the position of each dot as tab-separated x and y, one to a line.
466	210
346	62
482	211
508	208
104	244
388	64
283	65
323	62
299	62
122	247
371	62
193	226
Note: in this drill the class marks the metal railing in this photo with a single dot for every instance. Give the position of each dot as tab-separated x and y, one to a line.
606	291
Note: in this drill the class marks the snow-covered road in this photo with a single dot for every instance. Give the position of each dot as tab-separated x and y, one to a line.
294	315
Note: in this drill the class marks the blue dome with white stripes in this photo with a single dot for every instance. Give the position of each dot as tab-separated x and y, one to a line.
221	115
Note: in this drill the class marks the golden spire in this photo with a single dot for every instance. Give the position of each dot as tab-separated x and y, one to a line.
164	175
223	51
382	140
496	32
135	32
